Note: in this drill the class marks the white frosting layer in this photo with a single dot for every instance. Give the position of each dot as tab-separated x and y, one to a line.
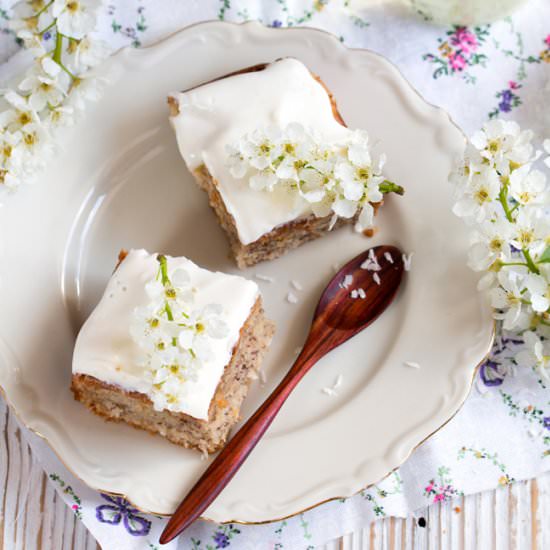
216	114
104	348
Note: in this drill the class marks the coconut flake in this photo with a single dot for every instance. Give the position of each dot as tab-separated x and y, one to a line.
362	293
407	261
376	278
348	279
296	285
353	294
291	298
411	364
388	257
265	278
332	390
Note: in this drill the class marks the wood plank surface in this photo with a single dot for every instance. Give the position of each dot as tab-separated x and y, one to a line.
512	518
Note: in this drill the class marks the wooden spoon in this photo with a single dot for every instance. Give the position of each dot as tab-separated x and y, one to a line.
337	318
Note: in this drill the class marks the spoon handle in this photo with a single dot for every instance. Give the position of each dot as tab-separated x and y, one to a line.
230	459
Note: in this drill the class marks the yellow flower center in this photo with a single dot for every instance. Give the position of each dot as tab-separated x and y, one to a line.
289	148
3	176
265	148
30	139
45	86
363	173
495	244
493	146
23	117
525	197
481	195
73	7
36	5
170	293
525	237
7	150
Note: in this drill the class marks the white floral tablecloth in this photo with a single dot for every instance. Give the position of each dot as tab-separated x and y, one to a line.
502	434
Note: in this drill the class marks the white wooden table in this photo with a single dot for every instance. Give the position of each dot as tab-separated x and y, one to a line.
517	517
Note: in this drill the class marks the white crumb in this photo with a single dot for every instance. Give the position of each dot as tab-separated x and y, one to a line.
362	293
265	278
332	390
407	261
348	279
388	257
291	298
411	364
204	454
261	376
372	256
376	278
252	376
371	264
333	221
353	294
296	285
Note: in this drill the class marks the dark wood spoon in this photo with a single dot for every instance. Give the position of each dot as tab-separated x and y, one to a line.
337	318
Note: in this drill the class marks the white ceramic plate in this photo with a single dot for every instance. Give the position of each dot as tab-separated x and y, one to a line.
120	183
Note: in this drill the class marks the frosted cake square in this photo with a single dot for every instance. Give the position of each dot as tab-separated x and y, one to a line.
171	348
276	159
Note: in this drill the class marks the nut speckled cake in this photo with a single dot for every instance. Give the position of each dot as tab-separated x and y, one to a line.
279	165
171	348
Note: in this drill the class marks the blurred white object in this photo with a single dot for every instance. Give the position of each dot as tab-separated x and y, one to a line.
465	12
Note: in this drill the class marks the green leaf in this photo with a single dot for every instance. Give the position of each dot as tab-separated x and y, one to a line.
545	258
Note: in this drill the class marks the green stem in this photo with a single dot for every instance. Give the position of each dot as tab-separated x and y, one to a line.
58	48
514	208
39	13
515	263
50	26
503	198
67	70
390	187
530	263
161	259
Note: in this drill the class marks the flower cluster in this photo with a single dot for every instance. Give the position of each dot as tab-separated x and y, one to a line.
506	199
173	336
459	51
56	86
341	180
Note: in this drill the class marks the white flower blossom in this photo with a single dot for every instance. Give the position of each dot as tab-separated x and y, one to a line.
477	202
507	298
75	18
55	86
491	243
535	355
511	237
341	180
174	338
43	85
528	186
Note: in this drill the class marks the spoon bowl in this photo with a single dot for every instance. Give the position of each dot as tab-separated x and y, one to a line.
353	299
